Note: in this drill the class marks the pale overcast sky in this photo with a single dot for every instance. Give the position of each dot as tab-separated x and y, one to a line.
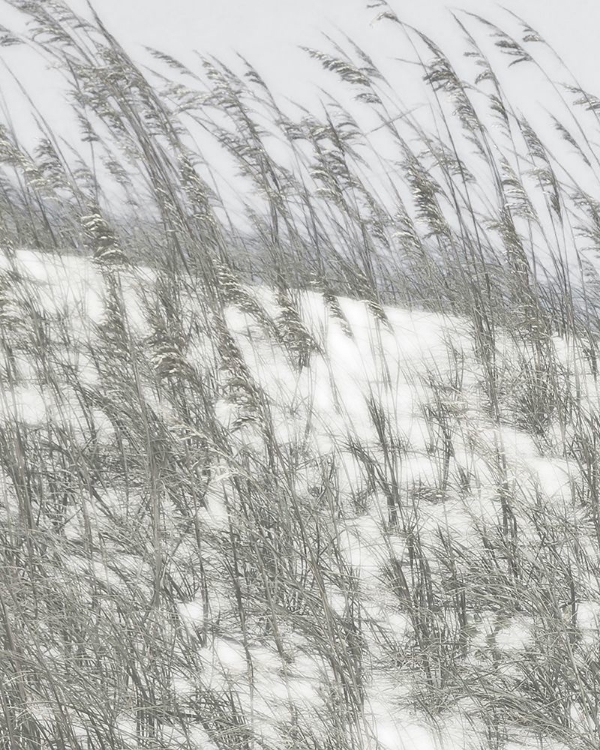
264	28
268	33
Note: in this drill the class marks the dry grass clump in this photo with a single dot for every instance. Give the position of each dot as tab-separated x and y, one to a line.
321	477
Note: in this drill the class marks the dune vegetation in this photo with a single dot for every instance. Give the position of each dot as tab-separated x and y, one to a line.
307	457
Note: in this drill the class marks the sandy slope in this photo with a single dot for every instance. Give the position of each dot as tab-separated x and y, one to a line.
383	409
